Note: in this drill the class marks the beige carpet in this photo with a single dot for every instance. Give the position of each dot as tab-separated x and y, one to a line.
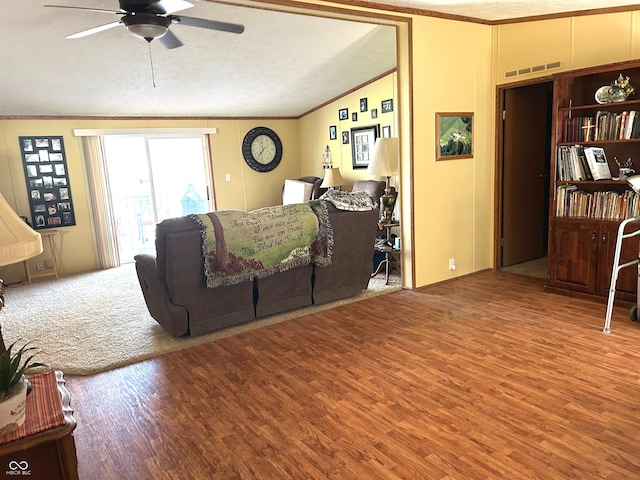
89	323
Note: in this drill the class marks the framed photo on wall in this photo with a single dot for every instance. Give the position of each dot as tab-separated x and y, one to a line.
333	132
46	174
362	141
454	136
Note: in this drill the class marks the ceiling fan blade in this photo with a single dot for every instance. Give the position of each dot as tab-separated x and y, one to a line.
84	8
210	24
93	30
169	40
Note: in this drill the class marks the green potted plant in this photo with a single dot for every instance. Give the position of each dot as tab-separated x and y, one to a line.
13	385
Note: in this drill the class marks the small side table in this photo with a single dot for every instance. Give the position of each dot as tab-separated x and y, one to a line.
43	448
388	249
49	235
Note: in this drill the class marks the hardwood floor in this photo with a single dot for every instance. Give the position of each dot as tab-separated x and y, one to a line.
482	377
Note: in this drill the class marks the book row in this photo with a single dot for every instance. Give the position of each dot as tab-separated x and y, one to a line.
572	202
575	162
604	126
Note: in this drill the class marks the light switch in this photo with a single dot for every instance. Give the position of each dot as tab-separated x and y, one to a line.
227	177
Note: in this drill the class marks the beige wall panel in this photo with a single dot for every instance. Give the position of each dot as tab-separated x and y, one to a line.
451	198
524	45
314	128
635	34
601	39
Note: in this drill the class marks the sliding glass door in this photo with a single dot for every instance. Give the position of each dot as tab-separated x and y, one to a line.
154	177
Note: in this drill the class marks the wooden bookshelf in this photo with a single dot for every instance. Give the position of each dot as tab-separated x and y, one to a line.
581	246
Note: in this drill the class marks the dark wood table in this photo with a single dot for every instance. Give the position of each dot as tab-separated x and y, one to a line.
388	249
43	448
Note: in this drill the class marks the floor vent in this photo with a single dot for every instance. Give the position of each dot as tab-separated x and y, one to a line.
537	68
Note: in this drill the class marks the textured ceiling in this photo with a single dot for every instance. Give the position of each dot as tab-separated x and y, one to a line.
496	10
283	65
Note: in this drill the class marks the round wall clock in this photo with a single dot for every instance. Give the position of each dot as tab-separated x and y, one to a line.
262	149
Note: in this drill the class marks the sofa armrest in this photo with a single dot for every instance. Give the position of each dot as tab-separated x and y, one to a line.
174	318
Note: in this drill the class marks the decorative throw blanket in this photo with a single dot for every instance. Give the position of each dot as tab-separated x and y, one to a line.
239	246
354	201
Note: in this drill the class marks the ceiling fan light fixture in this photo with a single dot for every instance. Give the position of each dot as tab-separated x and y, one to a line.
147	27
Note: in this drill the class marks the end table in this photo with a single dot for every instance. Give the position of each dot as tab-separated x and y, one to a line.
43	447
388	249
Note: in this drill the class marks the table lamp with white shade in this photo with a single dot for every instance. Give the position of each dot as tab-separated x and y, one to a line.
18	242
385	164
332	176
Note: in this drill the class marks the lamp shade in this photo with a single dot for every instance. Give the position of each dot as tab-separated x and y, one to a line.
385	158
634	182
332	178
18	241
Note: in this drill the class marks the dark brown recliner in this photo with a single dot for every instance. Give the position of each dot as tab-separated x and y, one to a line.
174	285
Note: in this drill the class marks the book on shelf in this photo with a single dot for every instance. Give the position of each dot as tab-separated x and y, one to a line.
598	164
604	126
572	164
603	205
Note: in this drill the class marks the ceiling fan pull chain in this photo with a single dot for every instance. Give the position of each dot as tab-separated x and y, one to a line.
153	78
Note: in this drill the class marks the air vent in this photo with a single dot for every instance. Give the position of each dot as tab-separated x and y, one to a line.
528	70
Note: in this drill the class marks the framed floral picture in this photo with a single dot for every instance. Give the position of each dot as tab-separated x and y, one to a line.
454	136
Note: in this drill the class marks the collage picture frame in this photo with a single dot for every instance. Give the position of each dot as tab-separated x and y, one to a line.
47	179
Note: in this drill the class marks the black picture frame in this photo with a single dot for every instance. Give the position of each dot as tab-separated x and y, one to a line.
47	179
364	104
386	131
333	132
362	141
354	117
374	113
343	114
345	137
386	106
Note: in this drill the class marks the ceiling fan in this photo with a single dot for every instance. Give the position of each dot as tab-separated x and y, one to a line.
150	19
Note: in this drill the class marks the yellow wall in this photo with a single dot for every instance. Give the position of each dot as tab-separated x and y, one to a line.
314	129
453	204
247	189
575	42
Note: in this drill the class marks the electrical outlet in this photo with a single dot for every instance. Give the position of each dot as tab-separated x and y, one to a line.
452	264
49	263
39	266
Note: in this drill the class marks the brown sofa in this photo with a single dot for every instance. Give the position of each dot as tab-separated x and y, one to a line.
173	282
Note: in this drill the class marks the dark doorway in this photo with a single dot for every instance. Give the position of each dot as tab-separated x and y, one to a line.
526	155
